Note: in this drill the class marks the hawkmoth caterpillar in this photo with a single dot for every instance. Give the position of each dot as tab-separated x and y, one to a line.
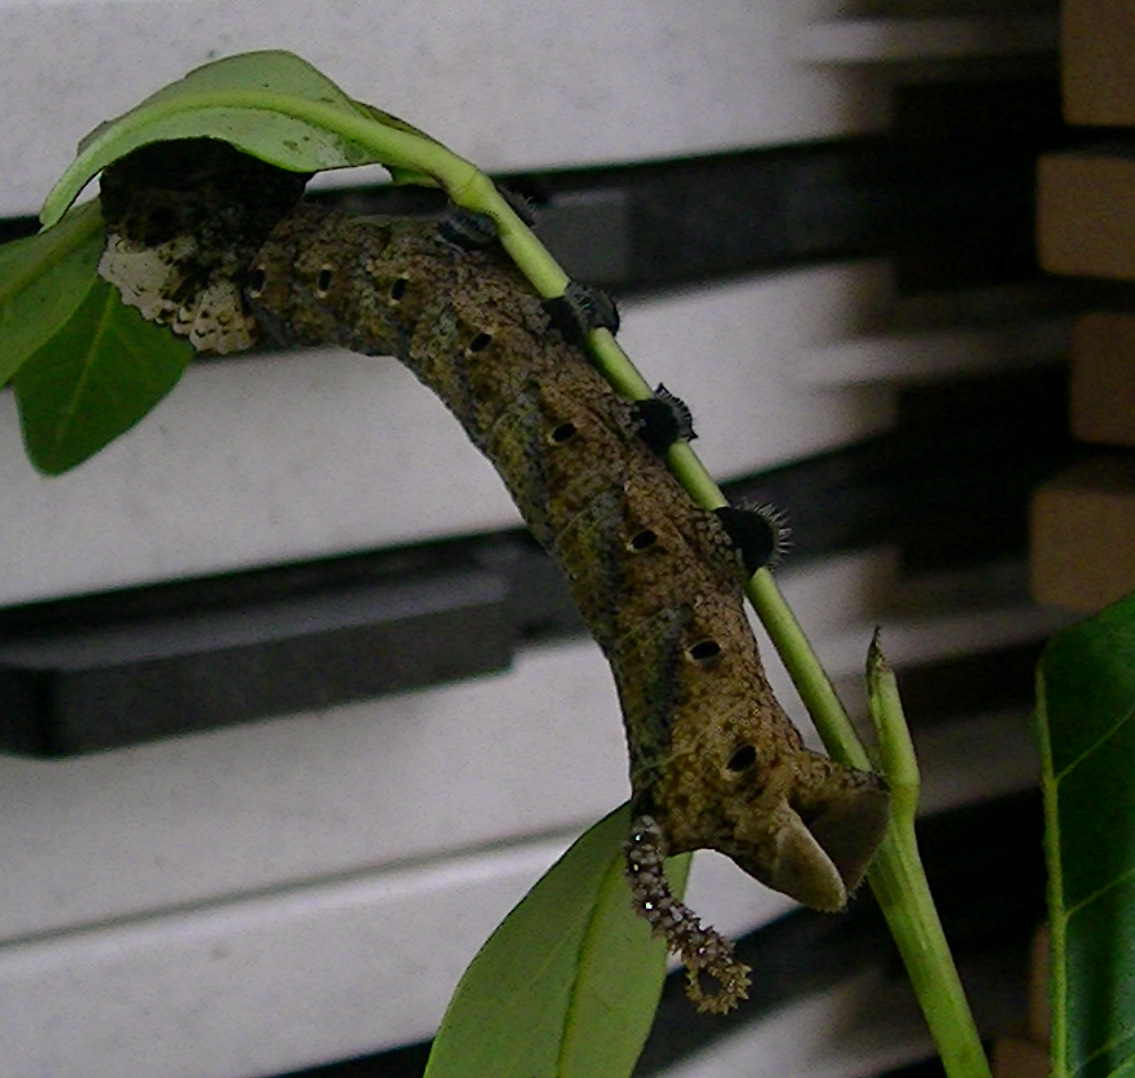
714	761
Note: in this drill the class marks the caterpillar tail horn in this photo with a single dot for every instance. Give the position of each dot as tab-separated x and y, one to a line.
815	847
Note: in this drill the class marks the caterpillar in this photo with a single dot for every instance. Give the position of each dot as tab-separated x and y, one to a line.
714	760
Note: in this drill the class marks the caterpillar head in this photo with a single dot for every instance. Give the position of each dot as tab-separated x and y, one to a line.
183	218
812	840
727	771
794	820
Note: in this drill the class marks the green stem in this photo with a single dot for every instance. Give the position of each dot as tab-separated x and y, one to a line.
808	675
897	876
899	883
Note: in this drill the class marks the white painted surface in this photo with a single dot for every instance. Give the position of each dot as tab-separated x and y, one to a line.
306	889
270	459
341	967
507	83
898	38
262	985
866	1025
346	790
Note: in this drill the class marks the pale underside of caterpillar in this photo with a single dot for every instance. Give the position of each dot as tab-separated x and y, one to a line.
223	251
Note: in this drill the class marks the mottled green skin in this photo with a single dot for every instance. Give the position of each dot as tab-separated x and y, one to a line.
654	575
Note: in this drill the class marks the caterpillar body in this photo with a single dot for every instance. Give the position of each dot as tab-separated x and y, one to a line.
714	761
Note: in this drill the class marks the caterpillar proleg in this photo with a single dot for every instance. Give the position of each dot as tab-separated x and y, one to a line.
714	761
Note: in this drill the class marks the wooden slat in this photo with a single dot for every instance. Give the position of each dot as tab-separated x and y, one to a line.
288	457
1015	1057
1086	214
1083	535
1103	379
1040	1003
1098	60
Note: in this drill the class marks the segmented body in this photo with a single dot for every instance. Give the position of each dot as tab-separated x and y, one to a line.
656	578
715	762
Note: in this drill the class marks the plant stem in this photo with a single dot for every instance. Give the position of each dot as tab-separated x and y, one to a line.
899	883
809	677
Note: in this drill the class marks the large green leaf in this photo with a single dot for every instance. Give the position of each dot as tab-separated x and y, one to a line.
100	373
568	984
43	279
270	104
1086	705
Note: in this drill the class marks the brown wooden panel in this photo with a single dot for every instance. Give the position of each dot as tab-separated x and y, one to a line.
1083	534
1086	214
1103	379
1015	1057
1098	57
1040	975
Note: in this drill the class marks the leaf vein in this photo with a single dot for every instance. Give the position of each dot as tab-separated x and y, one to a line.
1098	743
1084	902
1120	1036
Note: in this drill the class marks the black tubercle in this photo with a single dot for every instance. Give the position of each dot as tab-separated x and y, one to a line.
759	534
522	205
467	229
663	420
581	309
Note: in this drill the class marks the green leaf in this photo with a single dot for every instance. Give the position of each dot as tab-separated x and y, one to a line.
43	279
101	373
270	104
568	985
1086	720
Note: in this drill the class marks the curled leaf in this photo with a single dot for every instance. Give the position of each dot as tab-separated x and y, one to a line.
101	373
43	279
270	104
